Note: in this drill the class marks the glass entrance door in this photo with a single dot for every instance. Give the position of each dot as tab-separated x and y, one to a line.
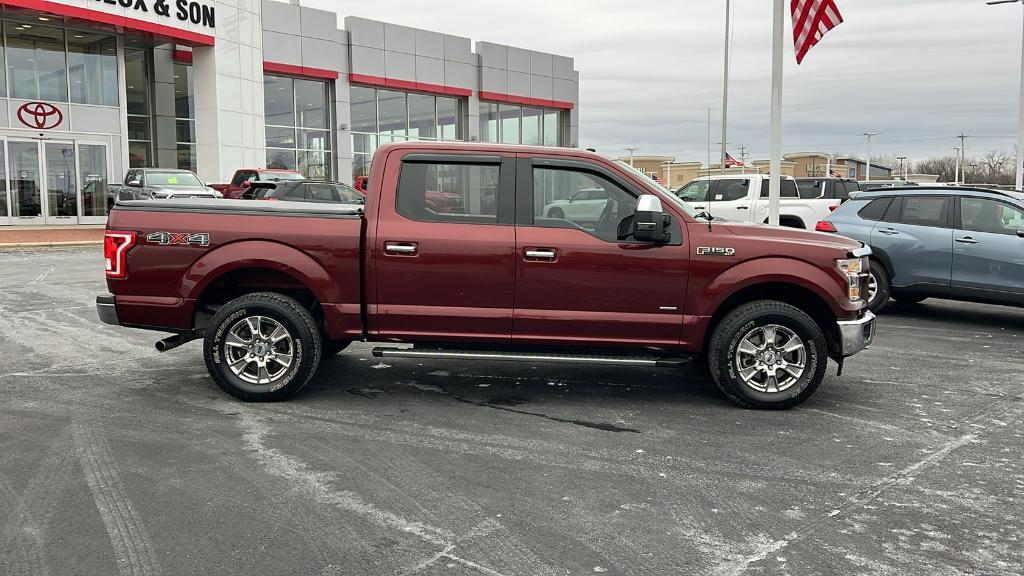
26	183
44	182
61	182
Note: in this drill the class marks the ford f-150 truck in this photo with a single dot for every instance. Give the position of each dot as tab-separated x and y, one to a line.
273	287
744	198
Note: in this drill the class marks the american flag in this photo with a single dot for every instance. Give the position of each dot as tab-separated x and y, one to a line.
811	20
730	161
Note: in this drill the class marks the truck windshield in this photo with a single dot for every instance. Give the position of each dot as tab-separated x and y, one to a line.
172	179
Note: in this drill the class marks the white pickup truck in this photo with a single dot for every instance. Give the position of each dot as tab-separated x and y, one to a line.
744	198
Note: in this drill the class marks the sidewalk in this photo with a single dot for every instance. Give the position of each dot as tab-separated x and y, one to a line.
13	237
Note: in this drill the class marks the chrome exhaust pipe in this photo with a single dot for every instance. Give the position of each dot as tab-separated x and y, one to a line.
172	342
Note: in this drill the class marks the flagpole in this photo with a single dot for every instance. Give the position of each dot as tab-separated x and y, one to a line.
725	84
775	140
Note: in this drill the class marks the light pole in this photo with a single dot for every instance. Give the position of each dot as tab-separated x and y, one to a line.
867	169
903	163
631	150
956	168
974	169
1020	105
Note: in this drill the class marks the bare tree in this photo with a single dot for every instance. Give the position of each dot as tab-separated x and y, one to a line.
943	166
995	167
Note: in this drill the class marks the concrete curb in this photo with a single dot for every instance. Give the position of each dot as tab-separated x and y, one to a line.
48	245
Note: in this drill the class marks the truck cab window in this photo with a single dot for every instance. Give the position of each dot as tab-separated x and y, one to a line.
465	193
788	189
567	198
696	191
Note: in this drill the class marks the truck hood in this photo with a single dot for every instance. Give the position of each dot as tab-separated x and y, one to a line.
782	234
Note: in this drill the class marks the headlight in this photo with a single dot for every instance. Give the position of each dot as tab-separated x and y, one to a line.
854	269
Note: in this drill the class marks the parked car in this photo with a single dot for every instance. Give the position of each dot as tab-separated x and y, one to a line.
304	191
873	184
244	176
745	199
584	206
938	242
829	188
163	184
272	287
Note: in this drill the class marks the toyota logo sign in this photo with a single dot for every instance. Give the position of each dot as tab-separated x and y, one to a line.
40	115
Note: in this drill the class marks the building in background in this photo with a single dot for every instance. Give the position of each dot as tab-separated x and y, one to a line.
93	88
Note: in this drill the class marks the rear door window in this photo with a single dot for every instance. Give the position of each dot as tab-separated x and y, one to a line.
449	192
730	190
321	193
811	188
842	190
788	189
931	211
875	209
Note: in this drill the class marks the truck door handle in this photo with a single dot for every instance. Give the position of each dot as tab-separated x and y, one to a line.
967	240
401	248
743	207
540	254
888	232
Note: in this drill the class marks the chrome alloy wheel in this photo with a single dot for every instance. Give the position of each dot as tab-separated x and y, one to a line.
771	358
872	287
258	349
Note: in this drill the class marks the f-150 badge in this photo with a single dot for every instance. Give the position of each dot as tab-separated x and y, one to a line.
715	251
179	238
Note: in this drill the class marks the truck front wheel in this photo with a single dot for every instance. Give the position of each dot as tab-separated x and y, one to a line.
262	347
767	354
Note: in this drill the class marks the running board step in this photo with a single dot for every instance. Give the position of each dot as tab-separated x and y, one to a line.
548	357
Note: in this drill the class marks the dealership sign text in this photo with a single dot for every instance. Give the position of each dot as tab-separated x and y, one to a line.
183	10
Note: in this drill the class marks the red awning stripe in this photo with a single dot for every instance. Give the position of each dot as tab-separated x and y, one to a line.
382	82
306	71
526	100
128	24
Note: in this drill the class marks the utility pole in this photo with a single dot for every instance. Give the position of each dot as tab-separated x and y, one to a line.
974	168
725	81
956	169
743	158
963	157
631	150
903	160
1020	107
709	144
867	169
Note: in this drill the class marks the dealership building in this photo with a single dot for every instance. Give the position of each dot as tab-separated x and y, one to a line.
94	87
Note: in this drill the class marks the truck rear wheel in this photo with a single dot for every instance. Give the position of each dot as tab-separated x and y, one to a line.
767	354
262	347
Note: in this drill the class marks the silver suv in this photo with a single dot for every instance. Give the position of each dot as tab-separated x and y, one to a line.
150	183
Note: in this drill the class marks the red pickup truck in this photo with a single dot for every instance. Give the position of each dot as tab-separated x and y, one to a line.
642	279
244	176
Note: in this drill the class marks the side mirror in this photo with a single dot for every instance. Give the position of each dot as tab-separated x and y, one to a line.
135	183
649	220
246	183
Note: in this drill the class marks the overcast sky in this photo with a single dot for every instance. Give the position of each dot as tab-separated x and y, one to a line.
916	71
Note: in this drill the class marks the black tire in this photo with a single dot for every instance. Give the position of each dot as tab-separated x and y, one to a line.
332	347
909	299
274	310
556	213
748	319
884	290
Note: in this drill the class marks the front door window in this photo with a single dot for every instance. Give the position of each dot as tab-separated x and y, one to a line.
93	179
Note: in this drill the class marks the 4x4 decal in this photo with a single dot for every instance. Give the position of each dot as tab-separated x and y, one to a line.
179	238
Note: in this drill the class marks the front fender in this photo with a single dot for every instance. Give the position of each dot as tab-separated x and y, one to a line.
776	270
258	254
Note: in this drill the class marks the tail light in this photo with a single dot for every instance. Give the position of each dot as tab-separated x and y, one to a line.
115	249
825	226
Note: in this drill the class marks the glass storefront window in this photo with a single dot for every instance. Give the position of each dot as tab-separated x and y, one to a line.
136	75
184	97
279	100
280	159
509	116
93	175
280	137
187	157
422	116
310	104
552	128
92	68
447	118
139	155
391	113
25	189
3	181
36	62
488	122
363	109
532	126
184	117
314	164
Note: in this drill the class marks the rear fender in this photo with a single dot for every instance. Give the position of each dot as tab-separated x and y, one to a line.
258	254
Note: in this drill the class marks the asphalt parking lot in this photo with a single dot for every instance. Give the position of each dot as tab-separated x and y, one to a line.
115	459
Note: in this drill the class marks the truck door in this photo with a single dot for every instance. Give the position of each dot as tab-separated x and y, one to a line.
581	282
443	256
